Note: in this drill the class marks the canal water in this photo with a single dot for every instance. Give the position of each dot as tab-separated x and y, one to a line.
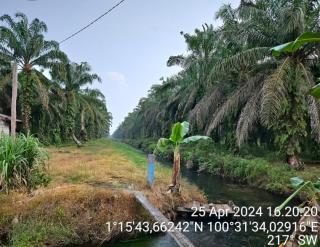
217	188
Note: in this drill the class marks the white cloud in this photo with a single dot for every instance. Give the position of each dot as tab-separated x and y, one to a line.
117	78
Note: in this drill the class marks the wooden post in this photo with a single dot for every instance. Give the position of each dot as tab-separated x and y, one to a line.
150	178
14	98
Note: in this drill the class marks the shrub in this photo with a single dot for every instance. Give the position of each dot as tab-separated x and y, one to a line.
22	163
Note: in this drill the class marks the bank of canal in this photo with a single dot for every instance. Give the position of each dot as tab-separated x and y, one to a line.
217	188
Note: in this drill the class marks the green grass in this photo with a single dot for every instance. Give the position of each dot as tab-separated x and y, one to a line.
136	156
32	233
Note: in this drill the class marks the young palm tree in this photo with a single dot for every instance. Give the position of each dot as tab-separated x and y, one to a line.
23	42
73	77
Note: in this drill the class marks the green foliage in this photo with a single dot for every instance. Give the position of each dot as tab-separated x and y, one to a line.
83	106
291	127
22	163
293	46
315	91
296	181
178	132
163	143
261	168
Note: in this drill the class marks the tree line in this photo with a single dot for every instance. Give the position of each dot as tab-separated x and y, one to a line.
232	88
57	107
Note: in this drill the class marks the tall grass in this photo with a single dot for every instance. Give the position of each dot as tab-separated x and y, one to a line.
22	162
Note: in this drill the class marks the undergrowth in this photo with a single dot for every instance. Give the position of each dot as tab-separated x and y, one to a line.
260	167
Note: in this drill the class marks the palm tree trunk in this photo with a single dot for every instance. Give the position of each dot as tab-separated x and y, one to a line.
294	161
83	132
70	116
14	99
26	105
74	138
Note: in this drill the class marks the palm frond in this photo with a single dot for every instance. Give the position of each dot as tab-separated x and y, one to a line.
190	101
176	60
206	106
233	103
273	94
238	61
248	117
41	90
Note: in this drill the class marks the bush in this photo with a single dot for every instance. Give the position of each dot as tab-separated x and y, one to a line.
22	163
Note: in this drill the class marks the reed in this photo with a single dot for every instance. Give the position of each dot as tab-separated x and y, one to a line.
22	162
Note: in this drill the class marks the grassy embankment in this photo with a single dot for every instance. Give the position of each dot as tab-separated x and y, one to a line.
257	167
90	186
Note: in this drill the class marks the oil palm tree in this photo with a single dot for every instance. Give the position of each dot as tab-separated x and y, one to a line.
73	77
23	42
272	92
191	86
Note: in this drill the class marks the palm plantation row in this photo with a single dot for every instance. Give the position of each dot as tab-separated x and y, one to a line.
54	109
233	89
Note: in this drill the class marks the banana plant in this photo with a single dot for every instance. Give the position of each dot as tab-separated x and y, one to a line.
293	46
176	139
312	188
